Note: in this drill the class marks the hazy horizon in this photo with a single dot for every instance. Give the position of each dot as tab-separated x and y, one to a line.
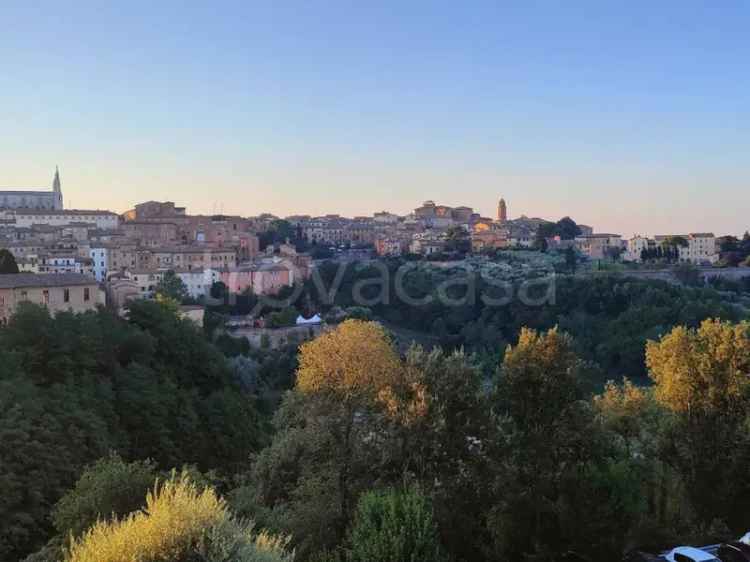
630	118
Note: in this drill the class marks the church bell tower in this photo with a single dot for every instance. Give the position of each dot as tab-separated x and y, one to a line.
57	189
502	211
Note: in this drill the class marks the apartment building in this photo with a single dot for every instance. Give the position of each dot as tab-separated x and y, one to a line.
635	247
198	282
266	278
102	219
66	263
100	258
150	233
185	257
701	249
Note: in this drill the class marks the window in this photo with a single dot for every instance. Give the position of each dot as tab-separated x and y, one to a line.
45	296
86	294
24	295
66	295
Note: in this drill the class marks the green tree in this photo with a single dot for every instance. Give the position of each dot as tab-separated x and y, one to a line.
567	229
171	286
394	525
457	240
282	318
571	259
546	433
701	377
219	291
108	488
688	274
439	417
613	253
278	231
7	262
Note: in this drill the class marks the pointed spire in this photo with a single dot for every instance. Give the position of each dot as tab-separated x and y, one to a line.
56	182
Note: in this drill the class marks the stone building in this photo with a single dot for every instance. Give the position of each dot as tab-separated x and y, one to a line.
34	199
57	291
599	246
106	220
265	278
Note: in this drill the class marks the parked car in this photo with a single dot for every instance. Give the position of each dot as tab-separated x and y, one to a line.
734	552
689	554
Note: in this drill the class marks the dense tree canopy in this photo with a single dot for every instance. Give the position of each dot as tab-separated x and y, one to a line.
74	387
501	443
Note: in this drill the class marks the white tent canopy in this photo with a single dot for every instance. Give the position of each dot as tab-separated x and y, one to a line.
302	320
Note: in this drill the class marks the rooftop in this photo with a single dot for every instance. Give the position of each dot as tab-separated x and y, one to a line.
64	212
19	280
40	191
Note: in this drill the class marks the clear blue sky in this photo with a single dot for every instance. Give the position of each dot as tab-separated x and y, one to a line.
630	116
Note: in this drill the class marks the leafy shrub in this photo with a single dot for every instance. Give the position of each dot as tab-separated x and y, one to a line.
282	318
179	524
109	487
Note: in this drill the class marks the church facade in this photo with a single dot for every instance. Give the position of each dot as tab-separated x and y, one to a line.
20	199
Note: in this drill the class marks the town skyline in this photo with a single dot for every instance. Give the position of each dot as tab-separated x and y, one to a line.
607	113
486	210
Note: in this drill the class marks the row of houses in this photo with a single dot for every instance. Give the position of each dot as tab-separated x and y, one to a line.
700	248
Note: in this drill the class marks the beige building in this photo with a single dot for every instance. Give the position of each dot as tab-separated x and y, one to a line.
57	291
391	246
150	233
146	281
185	257
635	247
263	279
484	238
599	246
701	249
57	217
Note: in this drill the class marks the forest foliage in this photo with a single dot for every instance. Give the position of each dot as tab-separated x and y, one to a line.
502	446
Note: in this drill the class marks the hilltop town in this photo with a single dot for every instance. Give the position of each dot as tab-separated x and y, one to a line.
114	257
121	256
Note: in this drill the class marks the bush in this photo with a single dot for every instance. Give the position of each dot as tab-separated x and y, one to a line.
394	525
109	487
180	523
282	318
358	313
